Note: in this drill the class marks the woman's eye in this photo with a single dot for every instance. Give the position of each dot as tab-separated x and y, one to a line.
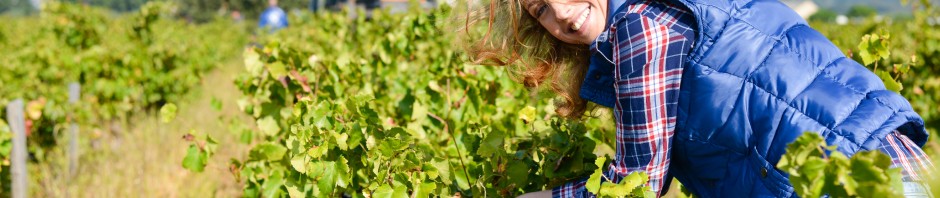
541	9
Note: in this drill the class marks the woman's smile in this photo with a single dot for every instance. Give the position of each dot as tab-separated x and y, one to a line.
576	27
571	21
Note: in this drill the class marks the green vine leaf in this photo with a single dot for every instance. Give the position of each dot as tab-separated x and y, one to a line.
216	104
889	81
272	185
594	182
168	112
195	160
269	152
384	191
527	114
253	63
816	169
492	143
269	126
424	190
873	48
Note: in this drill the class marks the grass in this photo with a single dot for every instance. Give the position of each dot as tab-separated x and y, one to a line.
145	159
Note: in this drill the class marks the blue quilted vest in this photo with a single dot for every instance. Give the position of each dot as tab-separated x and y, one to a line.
757	78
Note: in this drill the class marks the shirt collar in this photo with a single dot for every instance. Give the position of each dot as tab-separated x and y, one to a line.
613	6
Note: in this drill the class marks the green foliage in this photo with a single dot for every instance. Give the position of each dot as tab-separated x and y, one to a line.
125	64
816	170
394	107
208	10
861	11
824	15
385	107
16	8
630	186
195	159
594	182
6	144
216	104
6	147
199	152
394	111
873	48
116	5
911	58
167	112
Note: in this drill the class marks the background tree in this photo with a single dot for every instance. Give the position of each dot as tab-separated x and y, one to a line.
824	15
205	10
193	10
115	5
861	11
16	7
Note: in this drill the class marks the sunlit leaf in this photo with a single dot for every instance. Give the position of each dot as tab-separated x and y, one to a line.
593	184
268	126
253	63
889	81
269	151
216	104
194	161
168	112
527	114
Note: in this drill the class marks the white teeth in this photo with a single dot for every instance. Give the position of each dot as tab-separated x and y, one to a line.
580	22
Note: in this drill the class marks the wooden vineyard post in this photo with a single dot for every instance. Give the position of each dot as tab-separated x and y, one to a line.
18	156
74	95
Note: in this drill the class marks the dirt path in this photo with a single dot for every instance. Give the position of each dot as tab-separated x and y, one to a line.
144	160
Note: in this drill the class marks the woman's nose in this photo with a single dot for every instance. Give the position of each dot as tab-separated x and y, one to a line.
562	11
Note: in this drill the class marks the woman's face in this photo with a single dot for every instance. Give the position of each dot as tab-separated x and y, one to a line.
571	21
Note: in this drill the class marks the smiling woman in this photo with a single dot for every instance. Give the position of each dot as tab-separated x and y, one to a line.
571	21
745	93
648	42
548	60
643	139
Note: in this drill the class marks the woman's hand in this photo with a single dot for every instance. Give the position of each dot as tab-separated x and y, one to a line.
539	194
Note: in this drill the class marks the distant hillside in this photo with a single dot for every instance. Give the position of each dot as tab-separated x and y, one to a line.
886	7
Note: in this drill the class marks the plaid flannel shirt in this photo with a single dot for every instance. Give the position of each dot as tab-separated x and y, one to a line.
652	40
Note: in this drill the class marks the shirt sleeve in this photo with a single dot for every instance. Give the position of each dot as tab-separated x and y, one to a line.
905	154
647	70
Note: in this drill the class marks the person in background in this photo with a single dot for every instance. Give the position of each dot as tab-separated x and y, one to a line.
371	4
273	18
314	5
237	16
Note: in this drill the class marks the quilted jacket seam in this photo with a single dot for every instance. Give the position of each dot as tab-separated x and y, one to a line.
826	66
763	63
879	100
701	27
824	73
855	108
819	72
788	104
758	30
871	135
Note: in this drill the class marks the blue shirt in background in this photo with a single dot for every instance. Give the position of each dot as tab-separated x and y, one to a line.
273	18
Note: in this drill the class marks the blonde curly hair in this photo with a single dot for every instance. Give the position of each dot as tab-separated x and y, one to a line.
531	54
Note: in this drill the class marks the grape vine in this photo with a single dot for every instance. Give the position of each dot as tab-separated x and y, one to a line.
396	112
